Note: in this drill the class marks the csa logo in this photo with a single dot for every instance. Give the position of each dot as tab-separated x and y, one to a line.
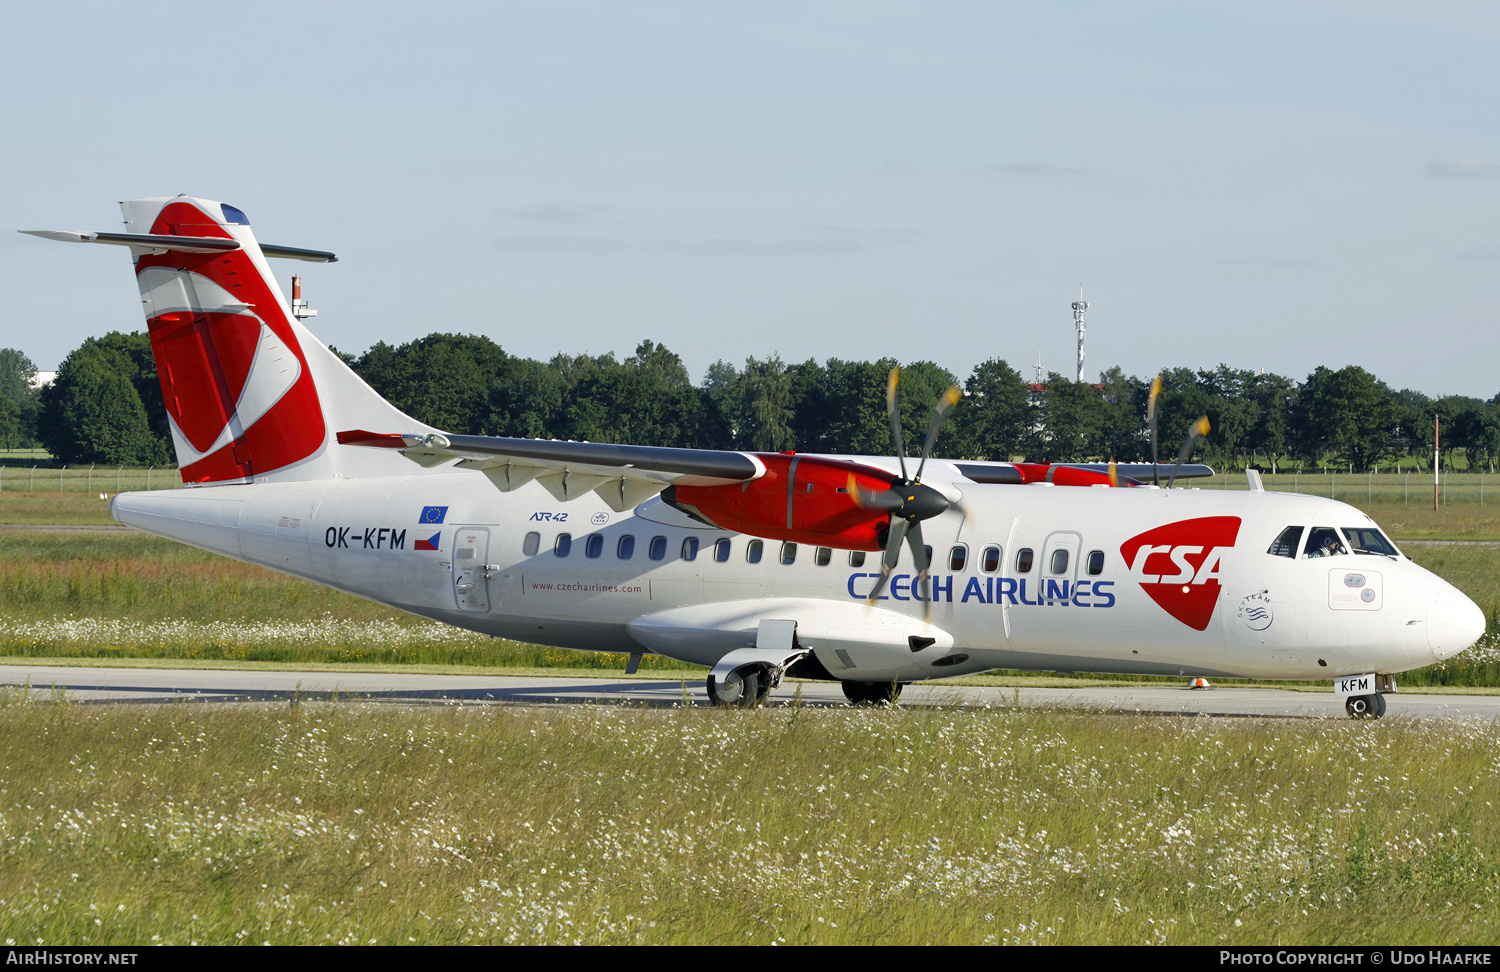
1178	565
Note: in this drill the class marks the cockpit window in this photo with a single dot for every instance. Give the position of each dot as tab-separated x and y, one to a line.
233	215
1286	544
1368	540
1323	542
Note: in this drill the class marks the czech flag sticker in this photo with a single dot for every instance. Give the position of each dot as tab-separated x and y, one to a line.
431	543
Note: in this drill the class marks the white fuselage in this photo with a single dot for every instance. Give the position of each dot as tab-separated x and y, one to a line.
1268	617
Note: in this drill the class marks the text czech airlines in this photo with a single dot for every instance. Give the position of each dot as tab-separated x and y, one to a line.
1062	592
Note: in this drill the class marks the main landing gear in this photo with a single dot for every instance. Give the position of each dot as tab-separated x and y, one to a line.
872	693
1365	706
743	688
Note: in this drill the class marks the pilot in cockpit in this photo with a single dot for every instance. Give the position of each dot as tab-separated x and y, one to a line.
1324	542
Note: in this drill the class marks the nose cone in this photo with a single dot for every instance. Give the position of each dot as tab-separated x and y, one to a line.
1453	623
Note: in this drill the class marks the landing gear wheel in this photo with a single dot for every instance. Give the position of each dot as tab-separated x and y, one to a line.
1365	706
741	690
872	693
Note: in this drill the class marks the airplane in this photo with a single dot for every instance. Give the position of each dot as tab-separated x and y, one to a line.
756	565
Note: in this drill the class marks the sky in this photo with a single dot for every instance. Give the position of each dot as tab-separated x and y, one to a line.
1272	186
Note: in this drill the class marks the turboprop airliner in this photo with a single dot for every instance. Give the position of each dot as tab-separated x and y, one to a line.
757	565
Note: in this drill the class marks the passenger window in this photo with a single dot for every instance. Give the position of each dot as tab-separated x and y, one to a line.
991	562
824	557
927	548
1323	542
753	550
1059	561
957	557
564	544
1096	563
658	548
1286	544
788	553
690	548
1023	560
721	550
531	544
856	558
593	546
625	549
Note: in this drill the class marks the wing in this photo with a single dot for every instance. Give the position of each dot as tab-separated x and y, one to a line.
623	475
1070	473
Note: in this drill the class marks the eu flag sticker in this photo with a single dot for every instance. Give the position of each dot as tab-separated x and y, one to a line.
433	514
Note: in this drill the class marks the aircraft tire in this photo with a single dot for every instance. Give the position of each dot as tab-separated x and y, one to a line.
751	693
871	693
1365	706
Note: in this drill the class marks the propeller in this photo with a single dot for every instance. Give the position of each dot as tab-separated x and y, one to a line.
907	500
1151	420
1199	430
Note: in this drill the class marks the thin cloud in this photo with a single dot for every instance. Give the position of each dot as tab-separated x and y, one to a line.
1035	169
1480	253
559	244
1463	169
822	228
1267	263
554	213
754	247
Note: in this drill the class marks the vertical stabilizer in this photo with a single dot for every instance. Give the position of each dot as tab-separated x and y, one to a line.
251	394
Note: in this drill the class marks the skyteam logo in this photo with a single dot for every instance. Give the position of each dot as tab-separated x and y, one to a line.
1178	565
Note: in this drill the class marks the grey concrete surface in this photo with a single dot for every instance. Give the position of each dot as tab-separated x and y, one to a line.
157	685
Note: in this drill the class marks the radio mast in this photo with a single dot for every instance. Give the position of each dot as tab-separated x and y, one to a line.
1080	307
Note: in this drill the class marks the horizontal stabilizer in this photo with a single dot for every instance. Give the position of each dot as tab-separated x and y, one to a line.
161	243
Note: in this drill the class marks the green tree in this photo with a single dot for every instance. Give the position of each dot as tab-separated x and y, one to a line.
525	400
922	385
441	379
994	418
18	399
1347	414
855	410
1072	418
1125	436
92	412
767	403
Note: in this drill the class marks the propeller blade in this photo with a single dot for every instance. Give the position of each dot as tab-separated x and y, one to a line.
923	562
1151	420
886	499
895	413
889	558
949	399
1114	474
1199	430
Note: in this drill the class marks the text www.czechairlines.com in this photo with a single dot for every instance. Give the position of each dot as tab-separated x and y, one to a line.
590	588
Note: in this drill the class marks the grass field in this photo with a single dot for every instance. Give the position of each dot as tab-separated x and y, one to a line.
363	823
367	824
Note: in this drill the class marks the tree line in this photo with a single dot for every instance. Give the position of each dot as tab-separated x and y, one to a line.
106	406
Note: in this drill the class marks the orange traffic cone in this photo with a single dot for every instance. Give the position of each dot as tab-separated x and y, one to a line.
1199	683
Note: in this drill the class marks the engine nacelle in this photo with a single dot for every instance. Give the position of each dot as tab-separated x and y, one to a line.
804	499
